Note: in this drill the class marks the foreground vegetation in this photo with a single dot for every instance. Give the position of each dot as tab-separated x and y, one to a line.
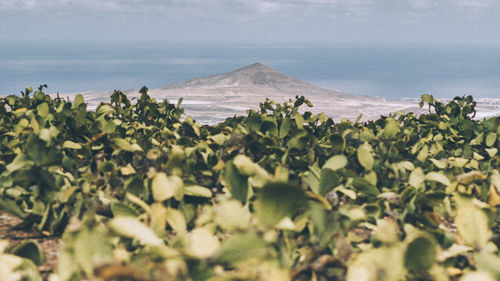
139	193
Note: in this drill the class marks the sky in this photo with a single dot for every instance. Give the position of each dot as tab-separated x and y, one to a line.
443	22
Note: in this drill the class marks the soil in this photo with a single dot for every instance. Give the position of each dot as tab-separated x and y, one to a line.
10	230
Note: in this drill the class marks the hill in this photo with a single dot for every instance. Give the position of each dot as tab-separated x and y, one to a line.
214	98
257	75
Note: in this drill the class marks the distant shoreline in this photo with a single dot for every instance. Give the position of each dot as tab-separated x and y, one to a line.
210	112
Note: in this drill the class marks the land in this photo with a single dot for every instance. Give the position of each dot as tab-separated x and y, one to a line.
212	99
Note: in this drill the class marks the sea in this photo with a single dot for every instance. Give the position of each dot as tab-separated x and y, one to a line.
388	71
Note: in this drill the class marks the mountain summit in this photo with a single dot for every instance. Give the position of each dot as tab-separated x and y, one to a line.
255	75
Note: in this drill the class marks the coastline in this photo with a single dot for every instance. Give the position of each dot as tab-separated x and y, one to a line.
210	106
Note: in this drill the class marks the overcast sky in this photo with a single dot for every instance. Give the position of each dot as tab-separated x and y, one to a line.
252	21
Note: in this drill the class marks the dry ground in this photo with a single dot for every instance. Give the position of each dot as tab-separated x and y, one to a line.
10	230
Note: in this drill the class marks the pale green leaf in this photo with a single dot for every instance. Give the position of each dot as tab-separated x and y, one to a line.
135	147
132	228
120	209
92	250
471	177
313	178
125	145
417	177
241	247
487	261
71	145
197	191
478	140
472	223
244	165
422	155
231	215
440	164
384	263
108	126
371	177
387	231
42	109
176	220
495	180
336	162
407	165
347	192
491	138
67	266
391	128
78	100
437	177
220	138
365	156
299	120
19	162
164	187
258	176
48	134
492	151
127	170
478	156
202	243
458	162
105	108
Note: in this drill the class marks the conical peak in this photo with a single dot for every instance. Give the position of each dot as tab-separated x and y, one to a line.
251	78
258	66
257	74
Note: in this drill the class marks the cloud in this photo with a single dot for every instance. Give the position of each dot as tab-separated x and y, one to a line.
444	4
281	10
476	3
202	5
56	4
422	4
264	6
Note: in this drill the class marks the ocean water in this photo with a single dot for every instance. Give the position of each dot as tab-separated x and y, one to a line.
381	71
